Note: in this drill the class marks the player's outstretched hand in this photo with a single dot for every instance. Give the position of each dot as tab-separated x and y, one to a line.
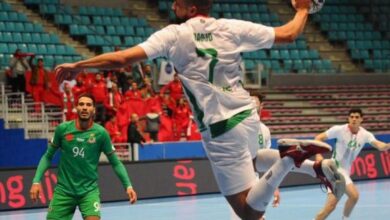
301	4
66	71
132	195
34	192
314	6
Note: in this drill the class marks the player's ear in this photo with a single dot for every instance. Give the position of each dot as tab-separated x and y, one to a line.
193	10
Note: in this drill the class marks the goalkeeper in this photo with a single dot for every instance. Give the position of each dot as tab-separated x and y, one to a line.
81	142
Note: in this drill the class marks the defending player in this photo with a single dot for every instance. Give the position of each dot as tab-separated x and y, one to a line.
81	142
350	140
206	53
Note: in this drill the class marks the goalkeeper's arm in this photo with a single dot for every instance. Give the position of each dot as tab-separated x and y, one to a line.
119	169
44	163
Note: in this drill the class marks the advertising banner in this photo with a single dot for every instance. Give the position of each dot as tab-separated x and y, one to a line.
162	179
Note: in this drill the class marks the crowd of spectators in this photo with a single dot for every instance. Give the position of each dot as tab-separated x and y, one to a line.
127	104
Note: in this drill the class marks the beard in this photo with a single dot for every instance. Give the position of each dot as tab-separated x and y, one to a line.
84	118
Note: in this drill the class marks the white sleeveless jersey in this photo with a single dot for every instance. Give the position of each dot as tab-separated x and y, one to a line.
348	145
206	54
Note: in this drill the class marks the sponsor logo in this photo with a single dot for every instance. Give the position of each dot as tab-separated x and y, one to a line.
92	139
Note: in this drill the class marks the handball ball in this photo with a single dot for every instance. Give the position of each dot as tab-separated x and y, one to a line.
316	6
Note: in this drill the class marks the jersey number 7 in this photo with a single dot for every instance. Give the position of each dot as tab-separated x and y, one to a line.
213	54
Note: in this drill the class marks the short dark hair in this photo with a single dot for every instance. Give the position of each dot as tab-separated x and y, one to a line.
203	6
355	110
87	95
261	97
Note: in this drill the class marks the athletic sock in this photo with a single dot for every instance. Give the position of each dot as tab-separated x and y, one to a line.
345	218
261	193
306	168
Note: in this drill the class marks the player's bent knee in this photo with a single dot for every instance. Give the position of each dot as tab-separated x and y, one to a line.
330	206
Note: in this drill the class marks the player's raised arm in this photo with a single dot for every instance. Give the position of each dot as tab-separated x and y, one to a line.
290	31
104	61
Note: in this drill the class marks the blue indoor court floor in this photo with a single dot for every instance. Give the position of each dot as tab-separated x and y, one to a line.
297	203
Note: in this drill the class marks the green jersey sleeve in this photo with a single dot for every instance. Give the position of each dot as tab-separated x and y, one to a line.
106	144
56	139
44	163
120	170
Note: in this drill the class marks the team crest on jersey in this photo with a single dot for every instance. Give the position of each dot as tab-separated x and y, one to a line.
353	144
69	137
92	139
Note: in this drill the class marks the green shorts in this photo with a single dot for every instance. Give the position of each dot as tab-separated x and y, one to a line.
63	206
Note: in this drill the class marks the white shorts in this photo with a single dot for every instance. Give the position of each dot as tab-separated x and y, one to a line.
231	154
346	175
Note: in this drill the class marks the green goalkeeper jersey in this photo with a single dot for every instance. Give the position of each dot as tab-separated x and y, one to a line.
80	152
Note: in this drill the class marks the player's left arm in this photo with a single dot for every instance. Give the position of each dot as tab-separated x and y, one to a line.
382	146
121	172
119	169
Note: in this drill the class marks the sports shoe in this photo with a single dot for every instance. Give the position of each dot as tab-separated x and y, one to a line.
300	150
326	171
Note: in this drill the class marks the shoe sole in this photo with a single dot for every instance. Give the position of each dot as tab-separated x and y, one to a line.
333	175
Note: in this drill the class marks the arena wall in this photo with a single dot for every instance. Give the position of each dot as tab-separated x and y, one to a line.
163	179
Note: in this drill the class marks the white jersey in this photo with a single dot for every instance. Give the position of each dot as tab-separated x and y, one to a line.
206	54
348	145
264	137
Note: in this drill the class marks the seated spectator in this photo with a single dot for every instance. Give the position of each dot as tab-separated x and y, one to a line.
114	100
99	92
18	66
153	102
181	119
147	69
69	109
52	95
113	130
134	135
123	118
174	87
165	133
88	79
133	92
39	82
121	79
147	90
137	73
167	103
79	88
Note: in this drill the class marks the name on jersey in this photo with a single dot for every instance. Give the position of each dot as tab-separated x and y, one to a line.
203	37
